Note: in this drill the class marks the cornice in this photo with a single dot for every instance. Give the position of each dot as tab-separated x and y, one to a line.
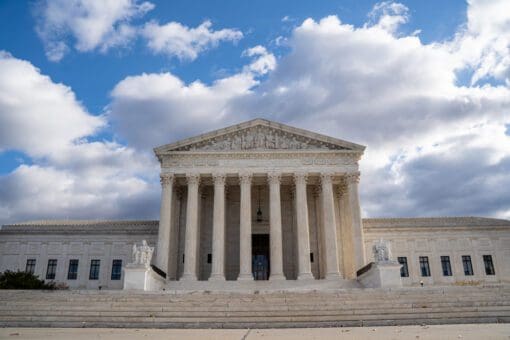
434	224
82	227
258	123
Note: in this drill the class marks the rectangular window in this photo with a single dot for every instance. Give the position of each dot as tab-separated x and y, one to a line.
72	273
209	258
445	264
52	269
116	269
311	257
468	266
94	269
404	270
30	267
424	266
489	265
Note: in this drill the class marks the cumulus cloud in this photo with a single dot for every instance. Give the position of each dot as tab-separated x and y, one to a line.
38	116
69	177
389	15
484	44
101	25
88	24
176	40
434	147
170	109
265	61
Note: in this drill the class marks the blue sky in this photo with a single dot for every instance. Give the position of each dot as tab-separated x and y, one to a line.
93	75
424	84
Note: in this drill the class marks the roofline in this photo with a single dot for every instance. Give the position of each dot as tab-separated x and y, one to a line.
255	122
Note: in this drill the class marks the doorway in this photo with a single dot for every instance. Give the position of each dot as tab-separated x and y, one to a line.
260	256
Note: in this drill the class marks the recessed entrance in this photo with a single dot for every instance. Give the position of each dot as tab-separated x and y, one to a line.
260	256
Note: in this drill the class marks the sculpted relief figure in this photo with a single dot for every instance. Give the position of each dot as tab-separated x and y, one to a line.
142	254
257	138
381	251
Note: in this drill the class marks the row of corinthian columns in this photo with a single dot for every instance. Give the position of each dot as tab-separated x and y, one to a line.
331	260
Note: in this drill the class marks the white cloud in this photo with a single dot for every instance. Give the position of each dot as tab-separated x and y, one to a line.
38	116
170	109
67	176
176	40
389	15
434	147
92	24
484	44
265	61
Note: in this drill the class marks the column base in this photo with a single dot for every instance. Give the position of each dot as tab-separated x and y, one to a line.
277	277
245	277
305	276
216	277
188	277
333	276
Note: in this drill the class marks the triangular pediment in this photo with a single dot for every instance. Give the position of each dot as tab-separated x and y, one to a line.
259	135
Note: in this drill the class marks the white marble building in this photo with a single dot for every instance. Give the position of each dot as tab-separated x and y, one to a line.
261	201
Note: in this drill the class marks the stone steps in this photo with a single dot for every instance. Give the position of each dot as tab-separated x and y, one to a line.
350	307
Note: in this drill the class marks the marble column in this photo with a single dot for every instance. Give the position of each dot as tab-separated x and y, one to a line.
349	268
275	228
303	229
329	224
218	241
165	224
356	223
245	271
191	233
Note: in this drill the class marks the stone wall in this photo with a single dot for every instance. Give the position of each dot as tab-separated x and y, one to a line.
410	238
84	241
453	237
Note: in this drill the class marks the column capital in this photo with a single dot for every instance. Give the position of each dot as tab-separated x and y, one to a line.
326	178
342	187
245	177
274	177
166	179
352	177
219	178
301	177
193	179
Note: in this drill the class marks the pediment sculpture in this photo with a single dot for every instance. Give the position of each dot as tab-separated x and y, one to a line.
259	138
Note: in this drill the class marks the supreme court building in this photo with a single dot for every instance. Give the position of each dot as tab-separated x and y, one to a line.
260	201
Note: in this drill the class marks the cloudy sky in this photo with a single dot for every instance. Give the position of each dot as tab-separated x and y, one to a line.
89	87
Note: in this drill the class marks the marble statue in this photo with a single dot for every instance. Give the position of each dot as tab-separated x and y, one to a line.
142	254
381	250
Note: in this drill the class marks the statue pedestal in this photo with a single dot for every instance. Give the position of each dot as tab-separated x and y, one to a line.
136	276
380	275
141	277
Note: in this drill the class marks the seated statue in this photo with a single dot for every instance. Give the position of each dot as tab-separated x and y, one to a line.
381	251
142	254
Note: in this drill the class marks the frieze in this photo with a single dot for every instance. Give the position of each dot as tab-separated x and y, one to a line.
290	159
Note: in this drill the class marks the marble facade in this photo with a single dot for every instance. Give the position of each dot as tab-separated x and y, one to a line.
260	177
256	201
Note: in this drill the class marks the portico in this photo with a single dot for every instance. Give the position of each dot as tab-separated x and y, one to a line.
298	188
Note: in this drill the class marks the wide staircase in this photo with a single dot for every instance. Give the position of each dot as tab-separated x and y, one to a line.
348	307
